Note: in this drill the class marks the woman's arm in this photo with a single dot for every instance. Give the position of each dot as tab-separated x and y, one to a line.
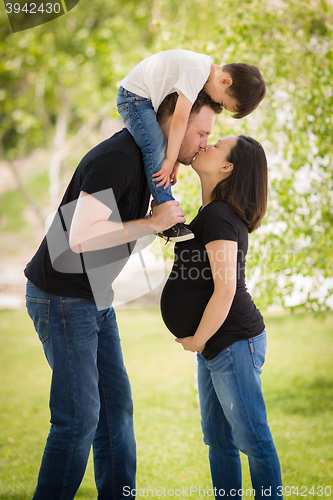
222	256
176	135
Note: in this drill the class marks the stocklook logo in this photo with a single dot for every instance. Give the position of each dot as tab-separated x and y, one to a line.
23	15
104	267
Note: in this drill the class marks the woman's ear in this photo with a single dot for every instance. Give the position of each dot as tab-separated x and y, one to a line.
227	167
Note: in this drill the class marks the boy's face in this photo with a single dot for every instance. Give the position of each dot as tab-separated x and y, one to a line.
217	88
228	102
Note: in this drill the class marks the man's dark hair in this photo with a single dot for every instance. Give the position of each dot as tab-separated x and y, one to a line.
167	106
245	189
248	87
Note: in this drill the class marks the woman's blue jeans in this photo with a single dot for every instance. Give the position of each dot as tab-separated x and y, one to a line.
90	399
140	119
233	418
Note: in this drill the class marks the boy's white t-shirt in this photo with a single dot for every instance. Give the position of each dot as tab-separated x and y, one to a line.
171	71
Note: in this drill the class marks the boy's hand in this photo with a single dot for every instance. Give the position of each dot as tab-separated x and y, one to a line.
163	176
174	173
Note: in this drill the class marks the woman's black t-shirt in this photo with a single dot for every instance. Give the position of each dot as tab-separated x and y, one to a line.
190	284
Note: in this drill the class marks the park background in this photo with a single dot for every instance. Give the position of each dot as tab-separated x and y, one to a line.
58	85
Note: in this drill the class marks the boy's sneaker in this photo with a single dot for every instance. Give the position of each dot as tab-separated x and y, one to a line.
176	233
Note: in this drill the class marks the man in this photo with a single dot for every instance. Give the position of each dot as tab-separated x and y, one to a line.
94	231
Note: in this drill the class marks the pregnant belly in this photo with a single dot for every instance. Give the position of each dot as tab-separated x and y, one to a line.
182	307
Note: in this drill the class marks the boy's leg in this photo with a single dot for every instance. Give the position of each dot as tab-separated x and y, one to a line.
114	443
224	456
68	329
140	119
236	379
150	138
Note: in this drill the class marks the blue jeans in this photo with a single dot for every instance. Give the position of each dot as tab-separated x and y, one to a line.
140	119
90	399
233	418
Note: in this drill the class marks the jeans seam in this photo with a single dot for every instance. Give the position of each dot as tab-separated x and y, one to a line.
216	401
253	430
74	435
132	117
251	439
239	397
156	194
45	320
143	133
110	435
252	343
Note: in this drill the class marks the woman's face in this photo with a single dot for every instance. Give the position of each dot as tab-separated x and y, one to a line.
214	158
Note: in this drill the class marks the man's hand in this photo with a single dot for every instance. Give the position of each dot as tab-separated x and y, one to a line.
166	215
163	176
190	344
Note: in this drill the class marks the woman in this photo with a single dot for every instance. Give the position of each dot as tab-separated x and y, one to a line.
206	305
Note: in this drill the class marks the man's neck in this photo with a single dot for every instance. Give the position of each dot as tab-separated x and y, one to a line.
166	127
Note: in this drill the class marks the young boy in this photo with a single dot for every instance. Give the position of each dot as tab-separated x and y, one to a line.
239	87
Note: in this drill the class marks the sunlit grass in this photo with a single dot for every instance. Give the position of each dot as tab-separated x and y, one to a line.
297	383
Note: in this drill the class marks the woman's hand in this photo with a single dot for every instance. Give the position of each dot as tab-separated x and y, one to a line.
191	344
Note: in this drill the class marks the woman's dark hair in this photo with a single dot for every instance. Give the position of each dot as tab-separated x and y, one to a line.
248	87
245	189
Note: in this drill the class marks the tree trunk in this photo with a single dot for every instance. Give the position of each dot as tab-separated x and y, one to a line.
57	155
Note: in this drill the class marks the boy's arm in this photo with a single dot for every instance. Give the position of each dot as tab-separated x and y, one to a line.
176	135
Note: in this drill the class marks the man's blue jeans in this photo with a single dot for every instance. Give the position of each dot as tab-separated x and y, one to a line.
233	418
140	119
90	399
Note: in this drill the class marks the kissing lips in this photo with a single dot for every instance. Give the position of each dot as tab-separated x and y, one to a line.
196	154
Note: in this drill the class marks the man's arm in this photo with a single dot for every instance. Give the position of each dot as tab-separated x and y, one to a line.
91	230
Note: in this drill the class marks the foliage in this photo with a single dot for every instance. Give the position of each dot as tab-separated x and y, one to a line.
297	383
292	43
72	65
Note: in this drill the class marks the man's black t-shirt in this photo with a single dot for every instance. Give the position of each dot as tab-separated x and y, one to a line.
190	284
113	173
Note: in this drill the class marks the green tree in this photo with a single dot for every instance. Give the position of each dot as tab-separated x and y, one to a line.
292	43
60	78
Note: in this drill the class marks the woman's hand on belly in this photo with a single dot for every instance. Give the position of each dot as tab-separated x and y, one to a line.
191	344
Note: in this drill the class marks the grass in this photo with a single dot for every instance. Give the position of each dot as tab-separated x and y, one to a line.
297	382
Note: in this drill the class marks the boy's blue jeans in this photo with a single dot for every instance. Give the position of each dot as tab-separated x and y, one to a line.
90	399
140	119
233	418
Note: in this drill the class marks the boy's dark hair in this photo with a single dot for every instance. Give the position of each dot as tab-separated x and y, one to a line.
167	106
248	87
245	189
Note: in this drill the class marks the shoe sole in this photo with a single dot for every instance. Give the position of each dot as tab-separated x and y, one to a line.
177	239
